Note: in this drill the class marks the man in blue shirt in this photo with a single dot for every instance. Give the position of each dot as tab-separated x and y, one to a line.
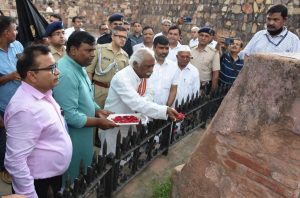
231	63
9	78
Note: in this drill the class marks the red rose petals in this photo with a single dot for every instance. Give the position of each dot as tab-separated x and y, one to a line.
126	119
180	116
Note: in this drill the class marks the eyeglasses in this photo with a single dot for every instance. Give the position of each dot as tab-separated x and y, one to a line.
120	36
53	68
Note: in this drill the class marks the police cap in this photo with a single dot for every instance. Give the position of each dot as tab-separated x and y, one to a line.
52	27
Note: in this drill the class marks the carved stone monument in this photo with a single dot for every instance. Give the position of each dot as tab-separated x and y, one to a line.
252	146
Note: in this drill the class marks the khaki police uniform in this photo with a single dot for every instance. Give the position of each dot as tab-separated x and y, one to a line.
109	59
206	61
56	54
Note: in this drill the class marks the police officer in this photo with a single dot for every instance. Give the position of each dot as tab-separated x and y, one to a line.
115	20
109	59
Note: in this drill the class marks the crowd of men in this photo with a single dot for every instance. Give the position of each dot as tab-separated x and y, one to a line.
53	96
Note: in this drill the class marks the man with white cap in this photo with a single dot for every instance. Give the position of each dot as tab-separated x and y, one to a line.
189	82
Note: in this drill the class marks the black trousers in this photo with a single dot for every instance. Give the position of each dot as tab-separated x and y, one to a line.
42	186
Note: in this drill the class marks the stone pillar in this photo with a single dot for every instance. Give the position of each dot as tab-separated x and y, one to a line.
252	146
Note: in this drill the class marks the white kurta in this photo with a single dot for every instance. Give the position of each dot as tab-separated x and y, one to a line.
123	98
139	46
173	52
162	78
189	83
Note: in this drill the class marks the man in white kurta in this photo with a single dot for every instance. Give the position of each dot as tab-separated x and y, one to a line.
123	96
165	76
189	82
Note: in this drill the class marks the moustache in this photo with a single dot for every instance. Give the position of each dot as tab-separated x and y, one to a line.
270	26
148	74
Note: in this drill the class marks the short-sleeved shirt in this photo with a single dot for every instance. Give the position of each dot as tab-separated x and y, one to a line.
56	54
161	80
263	42
8	65
206	61
230	68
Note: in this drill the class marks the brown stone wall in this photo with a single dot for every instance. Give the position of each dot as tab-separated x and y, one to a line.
229	17
252	146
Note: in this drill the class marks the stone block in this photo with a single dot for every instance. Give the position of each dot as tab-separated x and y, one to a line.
251	147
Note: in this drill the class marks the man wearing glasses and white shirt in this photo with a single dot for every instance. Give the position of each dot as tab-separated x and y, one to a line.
276	38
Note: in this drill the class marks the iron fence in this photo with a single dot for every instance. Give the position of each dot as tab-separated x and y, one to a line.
108	173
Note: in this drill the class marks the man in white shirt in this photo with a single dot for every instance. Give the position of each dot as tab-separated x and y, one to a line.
276	38
124	95
189	82
165	25
77	24
148	39
164	79
174	34
194	37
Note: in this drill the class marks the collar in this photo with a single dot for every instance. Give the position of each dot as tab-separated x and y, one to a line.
177	46
73	63
54	50
11	45
34	92
166	62
207	48
228	54
282	33
140	35
109	47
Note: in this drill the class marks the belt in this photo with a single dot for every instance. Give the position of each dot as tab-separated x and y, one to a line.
101	84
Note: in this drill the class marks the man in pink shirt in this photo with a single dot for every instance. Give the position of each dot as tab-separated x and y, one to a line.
39	148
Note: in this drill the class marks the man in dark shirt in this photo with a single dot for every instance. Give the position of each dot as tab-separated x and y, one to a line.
231	63
115	20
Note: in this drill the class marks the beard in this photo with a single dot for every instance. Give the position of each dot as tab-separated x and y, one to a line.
275	32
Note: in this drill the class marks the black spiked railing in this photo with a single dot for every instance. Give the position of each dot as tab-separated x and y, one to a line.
109	172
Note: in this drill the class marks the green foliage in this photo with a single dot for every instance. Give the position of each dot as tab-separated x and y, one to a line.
162	189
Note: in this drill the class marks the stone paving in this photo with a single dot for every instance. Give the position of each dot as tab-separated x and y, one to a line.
159	170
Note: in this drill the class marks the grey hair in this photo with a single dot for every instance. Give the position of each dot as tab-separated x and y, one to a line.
139	55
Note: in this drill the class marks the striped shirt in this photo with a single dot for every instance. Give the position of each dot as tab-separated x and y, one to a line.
230	68
263	42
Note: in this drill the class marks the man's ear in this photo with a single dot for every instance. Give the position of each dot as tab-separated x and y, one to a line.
135	64
73	50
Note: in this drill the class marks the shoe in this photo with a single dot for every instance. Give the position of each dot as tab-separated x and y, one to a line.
5	177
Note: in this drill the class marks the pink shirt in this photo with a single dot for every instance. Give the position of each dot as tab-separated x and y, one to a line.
38	145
